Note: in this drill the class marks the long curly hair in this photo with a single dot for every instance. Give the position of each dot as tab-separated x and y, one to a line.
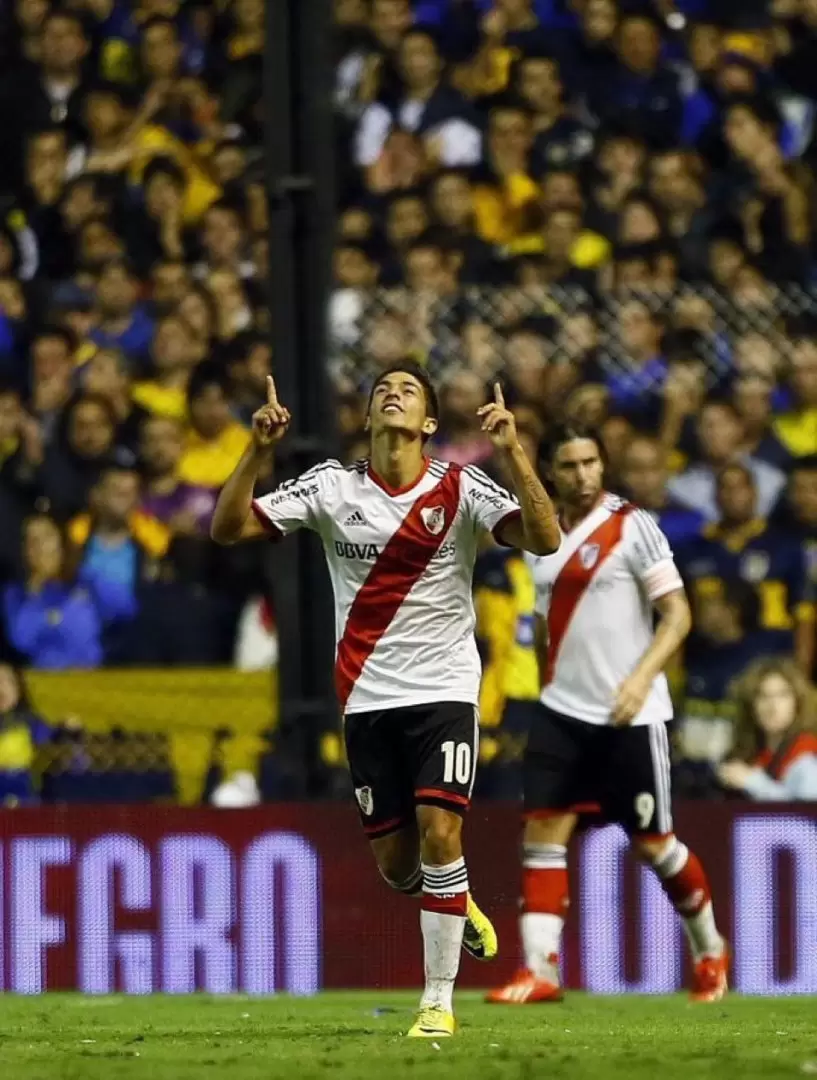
749	740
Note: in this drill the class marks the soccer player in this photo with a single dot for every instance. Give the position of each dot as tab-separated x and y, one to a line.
600	739
400	532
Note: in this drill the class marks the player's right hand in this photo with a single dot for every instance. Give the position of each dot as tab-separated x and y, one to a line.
270	422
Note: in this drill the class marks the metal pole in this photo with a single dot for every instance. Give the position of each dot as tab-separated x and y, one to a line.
299	153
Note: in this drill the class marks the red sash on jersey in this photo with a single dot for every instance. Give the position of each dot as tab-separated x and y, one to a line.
574	579
396	571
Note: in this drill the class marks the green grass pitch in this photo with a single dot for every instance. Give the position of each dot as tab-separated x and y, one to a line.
349	1036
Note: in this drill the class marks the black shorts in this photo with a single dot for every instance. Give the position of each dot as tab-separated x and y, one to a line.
621	774
418	754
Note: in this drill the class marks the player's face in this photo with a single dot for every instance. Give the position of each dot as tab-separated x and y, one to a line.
399	405
577	473
775	705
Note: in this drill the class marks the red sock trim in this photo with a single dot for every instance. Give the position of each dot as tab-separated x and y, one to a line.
689	890
447	904
545	892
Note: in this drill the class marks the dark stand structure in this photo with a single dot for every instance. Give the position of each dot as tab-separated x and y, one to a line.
299	159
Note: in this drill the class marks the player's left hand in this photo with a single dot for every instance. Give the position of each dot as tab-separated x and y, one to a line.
499	423
630	699
734	774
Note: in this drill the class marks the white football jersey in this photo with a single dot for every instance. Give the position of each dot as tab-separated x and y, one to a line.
596	593
401	564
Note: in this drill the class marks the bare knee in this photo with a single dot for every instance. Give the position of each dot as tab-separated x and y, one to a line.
553	829
398	859
652	850
440	835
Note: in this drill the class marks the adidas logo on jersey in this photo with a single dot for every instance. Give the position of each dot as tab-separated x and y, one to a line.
356	518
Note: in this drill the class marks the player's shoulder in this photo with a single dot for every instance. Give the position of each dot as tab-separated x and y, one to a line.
477	481
616	504
643	531
326	468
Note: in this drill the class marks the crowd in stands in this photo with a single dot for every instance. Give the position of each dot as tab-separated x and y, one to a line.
608	203
133	325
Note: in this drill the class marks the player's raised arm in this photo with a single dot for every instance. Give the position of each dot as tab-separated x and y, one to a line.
233	519
537	529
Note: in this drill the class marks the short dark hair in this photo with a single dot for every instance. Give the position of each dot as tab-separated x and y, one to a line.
560	434
736	467
63	333
763	109
61	12
716	401
8	388
164	166
87	397
206	374
418	372
159	20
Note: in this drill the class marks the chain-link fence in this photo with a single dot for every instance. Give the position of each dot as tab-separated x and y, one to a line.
752	329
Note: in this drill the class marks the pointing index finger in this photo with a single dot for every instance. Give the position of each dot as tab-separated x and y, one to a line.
272	393
499	397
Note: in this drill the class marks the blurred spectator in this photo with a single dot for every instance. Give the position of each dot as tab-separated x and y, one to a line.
797	428
106	375
183	508
121	323
723	645
720	434
641	92
743	546
752	397
174	355
776	744
48	91
20	455
504	602
215	441
81	448
559	139
643	368
116	547
644	479
21	733
424	103
249	363
50	619
460	438
52	369
505	194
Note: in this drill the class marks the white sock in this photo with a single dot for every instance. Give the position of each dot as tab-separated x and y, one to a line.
443	886
702	933
699	926
541	931
541	940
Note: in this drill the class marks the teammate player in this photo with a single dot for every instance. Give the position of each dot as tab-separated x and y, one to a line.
600	739
400	534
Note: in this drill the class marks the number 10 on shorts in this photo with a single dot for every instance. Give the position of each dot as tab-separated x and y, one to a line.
456	762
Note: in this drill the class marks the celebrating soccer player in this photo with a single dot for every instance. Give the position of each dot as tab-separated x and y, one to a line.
600	739
400	532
